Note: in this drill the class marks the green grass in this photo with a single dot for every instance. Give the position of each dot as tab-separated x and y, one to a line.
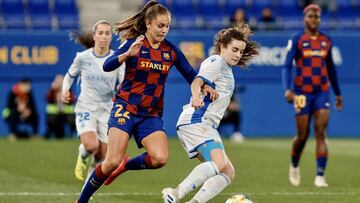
42	171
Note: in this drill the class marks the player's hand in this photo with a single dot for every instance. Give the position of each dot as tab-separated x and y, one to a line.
197	103
135	47
289	96
338	102
66	97
209	90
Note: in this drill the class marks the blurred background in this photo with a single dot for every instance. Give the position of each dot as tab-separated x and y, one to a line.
35	47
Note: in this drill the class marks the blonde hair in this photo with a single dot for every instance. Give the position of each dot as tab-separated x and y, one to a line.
136	24
86	38
240	31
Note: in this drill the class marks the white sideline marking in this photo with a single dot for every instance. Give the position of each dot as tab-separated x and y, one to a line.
159	193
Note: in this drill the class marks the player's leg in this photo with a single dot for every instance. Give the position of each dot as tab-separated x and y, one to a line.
302	105
102	139
86	128
303	130
87	147
321	119
98	158
214	185
118	141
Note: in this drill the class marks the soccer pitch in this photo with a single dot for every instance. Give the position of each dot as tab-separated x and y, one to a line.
42	171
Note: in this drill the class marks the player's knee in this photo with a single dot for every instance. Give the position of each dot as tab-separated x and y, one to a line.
159	160
221	165
91	147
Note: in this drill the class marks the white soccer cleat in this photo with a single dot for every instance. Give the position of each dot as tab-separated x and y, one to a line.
320	181
294	175
169	195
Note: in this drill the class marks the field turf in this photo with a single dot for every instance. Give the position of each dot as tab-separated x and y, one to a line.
42	171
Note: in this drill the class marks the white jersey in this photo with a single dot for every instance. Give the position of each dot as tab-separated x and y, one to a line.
97	88
218	74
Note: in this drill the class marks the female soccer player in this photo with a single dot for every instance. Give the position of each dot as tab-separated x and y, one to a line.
311	50
197	124
95	100
138	105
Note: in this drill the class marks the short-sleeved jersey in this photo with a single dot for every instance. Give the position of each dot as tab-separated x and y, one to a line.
97	88
312	56
142	91
215	72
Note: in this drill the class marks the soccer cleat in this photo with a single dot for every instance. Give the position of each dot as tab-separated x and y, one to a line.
294	175
320	181
119	170
169	195
81	168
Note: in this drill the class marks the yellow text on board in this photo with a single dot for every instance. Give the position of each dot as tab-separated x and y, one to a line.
29	55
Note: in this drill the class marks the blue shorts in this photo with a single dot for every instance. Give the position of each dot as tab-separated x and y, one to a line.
309	103
137	126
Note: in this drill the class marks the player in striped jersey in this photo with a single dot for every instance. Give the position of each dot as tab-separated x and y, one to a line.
197	124
95	100
311	50
139	102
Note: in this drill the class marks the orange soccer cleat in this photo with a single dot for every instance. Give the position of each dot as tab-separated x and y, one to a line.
119	170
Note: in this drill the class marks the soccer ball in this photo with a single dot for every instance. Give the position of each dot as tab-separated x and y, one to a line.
239	198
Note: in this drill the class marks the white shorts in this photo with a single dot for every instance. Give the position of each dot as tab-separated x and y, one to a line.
194	135
95	121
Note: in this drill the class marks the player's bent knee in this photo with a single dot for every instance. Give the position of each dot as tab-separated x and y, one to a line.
159	160
221	165
91	147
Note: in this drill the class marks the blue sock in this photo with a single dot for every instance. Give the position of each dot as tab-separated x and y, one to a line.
140	162
96	179
321	165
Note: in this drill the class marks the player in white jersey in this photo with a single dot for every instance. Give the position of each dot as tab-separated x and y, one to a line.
97	88
197	124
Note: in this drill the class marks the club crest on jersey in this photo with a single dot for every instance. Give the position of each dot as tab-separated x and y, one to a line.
166	56
121	121
323	44
305	44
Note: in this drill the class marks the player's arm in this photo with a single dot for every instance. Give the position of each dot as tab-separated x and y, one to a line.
331	69
72	73
128	49
187	71
286	71
196	85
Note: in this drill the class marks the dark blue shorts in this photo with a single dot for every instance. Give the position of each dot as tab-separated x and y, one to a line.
309	103
137	126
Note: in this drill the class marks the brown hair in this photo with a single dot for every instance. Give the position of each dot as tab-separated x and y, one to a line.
136	24
86	38
241	32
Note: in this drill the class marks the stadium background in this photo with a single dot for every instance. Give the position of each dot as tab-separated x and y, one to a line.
34	43
39	48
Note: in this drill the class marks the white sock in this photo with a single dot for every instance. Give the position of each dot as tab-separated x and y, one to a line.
83	153
197	177
212	187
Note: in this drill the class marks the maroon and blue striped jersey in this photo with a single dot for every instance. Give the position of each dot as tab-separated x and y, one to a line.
314	64
142	91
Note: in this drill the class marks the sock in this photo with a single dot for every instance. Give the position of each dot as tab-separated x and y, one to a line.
297	149
212	187
96	179
93	164
197	177
83	153
140	162
321	160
